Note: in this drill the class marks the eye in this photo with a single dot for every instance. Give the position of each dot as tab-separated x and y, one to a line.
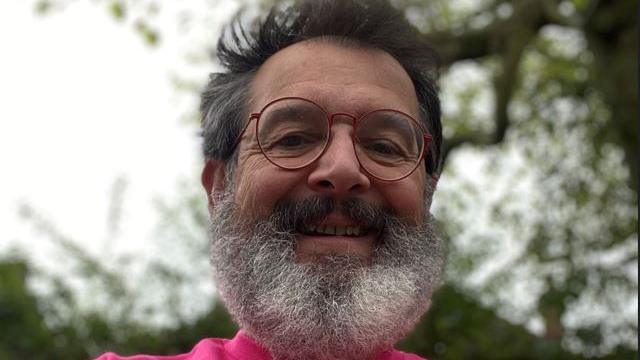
382	147
292	140
292	144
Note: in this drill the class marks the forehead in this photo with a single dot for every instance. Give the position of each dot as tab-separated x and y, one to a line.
338	77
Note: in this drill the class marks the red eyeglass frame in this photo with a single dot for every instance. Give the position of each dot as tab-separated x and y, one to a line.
355	122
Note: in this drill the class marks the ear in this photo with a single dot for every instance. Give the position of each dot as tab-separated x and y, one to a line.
213	179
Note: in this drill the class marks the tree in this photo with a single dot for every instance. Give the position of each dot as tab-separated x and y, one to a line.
562	76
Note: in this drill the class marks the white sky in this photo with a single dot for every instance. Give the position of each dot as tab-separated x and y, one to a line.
84	101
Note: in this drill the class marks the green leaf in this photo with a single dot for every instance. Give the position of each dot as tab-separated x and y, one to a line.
42	7
150	36
118	10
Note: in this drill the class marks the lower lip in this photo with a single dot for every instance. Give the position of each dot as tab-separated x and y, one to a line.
310	246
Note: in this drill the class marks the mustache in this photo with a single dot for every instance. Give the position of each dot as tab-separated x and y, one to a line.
289	215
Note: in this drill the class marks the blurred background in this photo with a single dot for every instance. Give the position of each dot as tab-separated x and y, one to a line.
103	221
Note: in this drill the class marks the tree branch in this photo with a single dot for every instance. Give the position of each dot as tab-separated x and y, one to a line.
476	43
550	8
509	39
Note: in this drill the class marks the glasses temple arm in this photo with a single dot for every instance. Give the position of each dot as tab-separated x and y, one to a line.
244	129
425	151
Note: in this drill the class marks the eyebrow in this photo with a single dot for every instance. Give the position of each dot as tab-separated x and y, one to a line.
406	127
290	111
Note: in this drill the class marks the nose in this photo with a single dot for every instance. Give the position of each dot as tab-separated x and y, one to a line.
337	172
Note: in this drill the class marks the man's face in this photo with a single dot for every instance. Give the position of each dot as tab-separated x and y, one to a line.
339	79
307	295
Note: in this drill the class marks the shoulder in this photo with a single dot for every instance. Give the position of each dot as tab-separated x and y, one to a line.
400	355
209	349
408	356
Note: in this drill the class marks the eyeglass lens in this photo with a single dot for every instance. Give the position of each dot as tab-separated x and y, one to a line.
292	133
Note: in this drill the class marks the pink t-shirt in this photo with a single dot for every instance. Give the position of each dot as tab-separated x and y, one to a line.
240	348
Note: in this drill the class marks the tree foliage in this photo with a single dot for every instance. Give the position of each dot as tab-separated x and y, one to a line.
562	79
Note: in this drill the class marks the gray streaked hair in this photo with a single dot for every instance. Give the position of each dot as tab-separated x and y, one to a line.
352	23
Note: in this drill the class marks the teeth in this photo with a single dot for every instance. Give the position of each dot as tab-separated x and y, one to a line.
334	230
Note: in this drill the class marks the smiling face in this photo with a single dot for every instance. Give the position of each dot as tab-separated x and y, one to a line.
339	79
324	252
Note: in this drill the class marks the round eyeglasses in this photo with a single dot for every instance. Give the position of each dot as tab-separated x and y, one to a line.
293	132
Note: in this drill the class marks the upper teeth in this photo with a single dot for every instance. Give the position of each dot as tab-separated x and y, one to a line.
335	229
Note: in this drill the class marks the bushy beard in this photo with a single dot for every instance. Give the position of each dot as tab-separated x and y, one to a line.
337	307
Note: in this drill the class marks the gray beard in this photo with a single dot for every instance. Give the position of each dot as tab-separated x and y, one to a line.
338	307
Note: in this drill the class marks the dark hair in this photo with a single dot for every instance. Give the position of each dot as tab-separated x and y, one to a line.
365	23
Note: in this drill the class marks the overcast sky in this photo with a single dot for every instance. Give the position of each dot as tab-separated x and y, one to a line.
84	102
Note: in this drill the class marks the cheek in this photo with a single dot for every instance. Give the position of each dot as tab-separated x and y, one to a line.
260	185
407	198
409	204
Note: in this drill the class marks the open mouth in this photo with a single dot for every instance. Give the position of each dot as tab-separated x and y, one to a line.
335	230
335	235
338	228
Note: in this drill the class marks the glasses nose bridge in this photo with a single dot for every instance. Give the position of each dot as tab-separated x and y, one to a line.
353	118
331	146
332	117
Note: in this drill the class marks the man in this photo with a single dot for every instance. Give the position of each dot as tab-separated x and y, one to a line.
322	144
